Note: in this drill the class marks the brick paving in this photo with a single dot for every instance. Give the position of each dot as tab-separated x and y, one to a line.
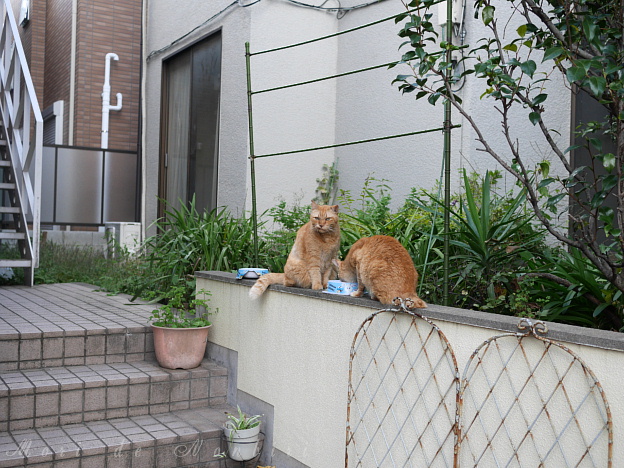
79	386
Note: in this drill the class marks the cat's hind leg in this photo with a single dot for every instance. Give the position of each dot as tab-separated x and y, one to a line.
361	287
359	292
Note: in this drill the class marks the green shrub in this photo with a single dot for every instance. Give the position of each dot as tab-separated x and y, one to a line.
571	290
189	241
498	260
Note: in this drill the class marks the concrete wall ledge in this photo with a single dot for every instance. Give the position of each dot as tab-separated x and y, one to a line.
557	331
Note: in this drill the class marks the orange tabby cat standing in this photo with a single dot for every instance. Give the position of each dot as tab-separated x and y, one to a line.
382	266
309	264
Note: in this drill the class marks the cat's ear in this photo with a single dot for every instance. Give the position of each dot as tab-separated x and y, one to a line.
334	208
314	205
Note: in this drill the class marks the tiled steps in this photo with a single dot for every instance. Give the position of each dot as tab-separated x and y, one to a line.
62	395
70	325
79	386
177	439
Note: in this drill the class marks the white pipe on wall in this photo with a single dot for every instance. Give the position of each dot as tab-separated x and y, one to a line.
106	107
72	73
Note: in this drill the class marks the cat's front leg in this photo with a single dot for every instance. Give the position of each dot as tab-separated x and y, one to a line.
316	279
327	275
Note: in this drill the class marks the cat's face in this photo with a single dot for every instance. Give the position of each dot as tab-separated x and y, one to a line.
345	272
324	218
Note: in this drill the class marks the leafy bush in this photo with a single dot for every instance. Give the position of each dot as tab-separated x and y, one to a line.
487	236
188	241
182	312
570	289
498	259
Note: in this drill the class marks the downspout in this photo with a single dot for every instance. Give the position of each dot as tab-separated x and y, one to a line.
142	123
72	73
106	107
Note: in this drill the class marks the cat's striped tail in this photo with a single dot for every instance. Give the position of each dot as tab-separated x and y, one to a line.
264	282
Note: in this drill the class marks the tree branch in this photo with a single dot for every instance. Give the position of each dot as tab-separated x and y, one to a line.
541	14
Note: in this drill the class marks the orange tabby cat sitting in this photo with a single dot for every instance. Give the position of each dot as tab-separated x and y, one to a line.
382	266
309	264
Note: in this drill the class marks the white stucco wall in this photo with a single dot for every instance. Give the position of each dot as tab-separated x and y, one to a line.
369	106
283	120
293	353
295	118
350	108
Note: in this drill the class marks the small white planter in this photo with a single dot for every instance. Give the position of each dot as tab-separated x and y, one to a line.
242	444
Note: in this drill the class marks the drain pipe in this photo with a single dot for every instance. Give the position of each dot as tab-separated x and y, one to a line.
106	107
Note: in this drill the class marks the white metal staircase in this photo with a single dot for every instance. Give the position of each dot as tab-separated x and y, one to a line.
21	139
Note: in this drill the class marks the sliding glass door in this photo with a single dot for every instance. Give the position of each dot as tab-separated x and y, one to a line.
190	123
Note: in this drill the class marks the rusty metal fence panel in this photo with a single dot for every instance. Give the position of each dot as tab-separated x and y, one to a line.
402	391
526	400
523	400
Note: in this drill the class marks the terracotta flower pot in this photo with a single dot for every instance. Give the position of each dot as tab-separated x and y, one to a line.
180	348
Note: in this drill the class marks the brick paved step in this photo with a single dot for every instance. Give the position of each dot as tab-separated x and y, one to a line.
71	324
63	395
176	439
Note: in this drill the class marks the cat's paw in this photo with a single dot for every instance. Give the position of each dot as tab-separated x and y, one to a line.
416	303
357	293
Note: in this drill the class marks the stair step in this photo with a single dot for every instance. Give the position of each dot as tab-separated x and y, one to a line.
17	263
12	235
74	394
9	209
7	186
179	438
71	324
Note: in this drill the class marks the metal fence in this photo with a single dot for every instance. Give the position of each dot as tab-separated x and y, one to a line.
522	400
89	186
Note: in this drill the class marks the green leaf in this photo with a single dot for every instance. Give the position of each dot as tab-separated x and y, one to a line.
534	117
552	53
589	28
528	67
608	161
609	182
433	98
599	309
511	47
572	148
401	78
539	99
545	182
552	201
575	74
595	142
522	30
597	84
488	14
576	172
544	168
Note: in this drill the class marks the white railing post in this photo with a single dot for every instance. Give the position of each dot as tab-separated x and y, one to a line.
20	117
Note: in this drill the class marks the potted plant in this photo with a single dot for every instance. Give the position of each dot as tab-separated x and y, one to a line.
242	433
180	331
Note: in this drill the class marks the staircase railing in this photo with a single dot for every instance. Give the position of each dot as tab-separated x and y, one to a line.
22	126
